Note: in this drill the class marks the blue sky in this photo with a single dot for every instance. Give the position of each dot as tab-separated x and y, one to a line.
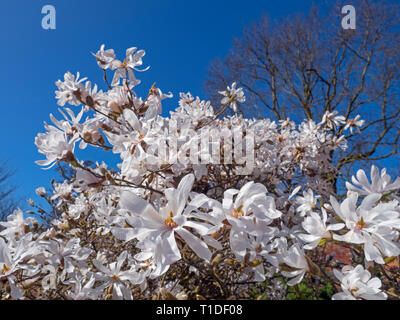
181	38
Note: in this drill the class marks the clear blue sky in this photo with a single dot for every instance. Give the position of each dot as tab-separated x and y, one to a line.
181	38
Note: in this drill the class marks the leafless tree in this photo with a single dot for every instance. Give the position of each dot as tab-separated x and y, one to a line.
307	64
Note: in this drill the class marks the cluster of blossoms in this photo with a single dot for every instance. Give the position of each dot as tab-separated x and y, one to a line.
203	204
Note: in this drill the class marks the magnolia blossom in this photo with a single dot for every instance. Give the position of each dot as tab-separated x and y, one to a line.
15	259
354	123
307	203
55	145
380	184
357	284
293	263
105	58
85	291
332	119
16	225
317	229
113	277
69	89
232	96
164	224
251	201
370	224
68	254
124	69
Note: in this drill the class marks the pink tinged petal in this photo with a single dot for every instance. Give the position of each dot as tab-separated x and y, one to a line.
16	292
121	260
132	119
372	253
184	187
124	234
335	227
117	293
129	51
212	242
197	245
100	267
369	201
238	241
132	202
362	178
375	179
167	248
201	228
374	283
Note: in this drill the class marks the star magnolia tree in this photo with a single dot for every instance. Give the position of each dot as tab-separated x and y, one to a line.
202	205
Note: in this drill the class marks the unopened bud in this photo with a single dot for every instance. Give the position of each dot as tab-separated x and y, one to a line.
114	107
41	191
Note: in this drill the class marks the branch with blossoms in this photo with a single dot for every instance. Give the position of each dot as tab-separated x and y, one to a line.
202	205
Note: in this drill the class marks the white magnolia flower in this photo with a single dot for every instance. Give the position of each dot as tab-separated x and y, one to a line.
68	254
370	224
14	259
293	263
112	276
62	190
232	96
16	224
380	183
354	123
124	68
69	90
154	103
332	120
85	291
170	220
55	145
240	207
307	203
357	284
255	249
105	58
317	229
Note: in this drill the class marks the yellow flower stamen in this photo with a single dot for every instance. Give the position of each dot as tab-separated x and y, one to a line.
238	212
169	222
5	269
